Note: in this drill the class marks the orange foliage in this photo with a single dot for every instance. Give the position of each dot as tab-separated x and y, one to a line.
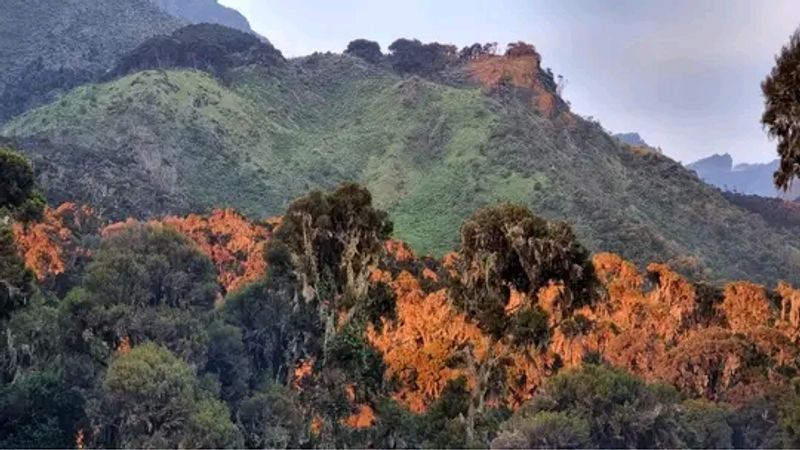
124	345
303	370
50	247
746	306
235	244
399	250
418	345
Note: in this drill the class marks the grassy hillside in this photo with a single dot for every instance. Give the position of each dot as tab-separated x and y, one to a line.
431	153
48	47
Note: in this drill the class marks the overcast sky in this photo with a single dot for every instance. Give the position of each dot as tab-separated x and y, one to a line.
685	74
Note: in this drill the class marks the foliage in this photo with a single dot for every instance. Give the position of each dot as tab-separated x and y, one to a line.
505	248
369	51
260	139
781	117
146	283
39	411
272	418
412	56
208	47
150	398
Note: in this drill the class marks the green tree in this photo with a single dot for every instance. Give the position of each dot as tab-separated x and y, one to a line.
210	426
369	51
707	425
39	411
226	358
145	399
334	238
544	430
17	193
506	248
149	398
18	200
620	410
146	283
273	418
781	115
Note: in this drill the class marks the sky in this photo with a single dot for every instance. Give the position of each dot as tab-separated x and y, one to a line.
684	74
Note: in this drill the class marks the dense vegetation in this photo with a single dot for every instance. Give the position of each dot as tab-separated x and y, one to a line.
211	48
493	126
170	333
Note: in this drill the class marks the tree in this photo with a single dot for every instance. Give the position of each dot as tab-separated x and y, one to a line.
272	418
516	49
146	283
544	430
18	200
145	399
620	410
17	194
334	239
226	358
781	115
150	398
508	258
369	51
39	411
505	249
412	56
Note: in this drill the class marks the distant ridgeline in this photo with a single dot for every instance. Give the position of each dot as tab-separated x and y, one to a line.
203	117
756	179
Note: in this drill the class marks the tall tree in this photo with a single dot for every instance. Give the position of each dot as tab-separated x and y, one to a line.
782	110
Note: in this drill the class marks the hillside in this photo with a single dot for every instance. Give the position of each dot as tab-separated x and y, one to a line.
434	139
48	47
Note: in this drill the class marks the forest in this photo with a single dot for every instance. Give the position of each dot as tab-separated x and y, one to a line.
207	244
318	329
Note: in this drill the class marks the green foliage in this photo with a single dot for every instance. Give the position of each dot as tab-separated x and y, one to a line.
65	44
411	55
144	400
272	418
505	247
707	425
544	430
17	186
39	411
208	47
781	117
210	426
16	280
369	51
226	358
146	283
619	409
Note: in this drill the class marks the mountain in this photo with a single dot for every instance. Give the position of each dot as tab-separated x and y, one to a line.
434	135
205	11
754	179
48	47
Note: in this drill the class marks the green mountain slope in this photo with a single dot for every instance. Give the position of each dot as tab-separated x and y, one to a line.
48	47
431	152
